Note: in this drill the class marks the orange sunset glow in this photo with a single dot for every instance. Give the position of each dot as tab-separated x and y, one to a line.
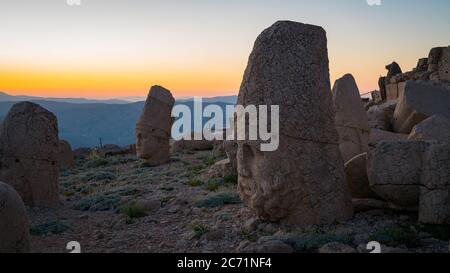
200	48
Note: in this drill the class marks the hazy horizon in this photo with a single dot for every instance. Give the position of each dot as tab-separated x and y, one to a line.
113	49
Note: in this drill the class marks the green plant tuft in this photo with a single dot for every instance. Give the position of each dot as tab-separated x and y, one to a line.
133	211
53	227
199	230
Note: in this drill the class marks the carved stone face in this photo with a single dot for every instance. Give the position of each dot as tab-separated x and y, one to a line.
262	177
145	144
152	145
295	184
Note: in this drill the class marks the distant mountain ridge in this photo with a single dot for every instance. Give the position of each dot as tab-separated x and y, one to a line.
83	124
6	97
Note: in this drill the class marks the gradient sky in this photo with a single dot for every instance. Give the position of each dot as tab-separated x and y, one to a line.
119	48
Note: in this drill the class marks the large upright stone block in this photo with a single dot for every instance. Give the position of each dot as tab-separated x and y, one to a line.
421	99
303	182
394	171
29	147
351	118
434	206
444	65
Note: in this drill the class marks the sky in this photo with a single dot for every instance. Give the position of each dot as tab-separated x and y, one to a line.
119	48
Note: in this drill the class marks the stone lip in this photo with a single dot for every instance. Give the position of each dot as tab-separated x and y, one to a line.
276	56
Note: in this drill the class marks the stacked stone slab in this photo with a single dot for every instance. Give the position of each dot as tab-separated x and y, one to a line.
377	136
14	226
435	67
394	169
413	175
65	155
351	118
434	205
303	182
29	148
433	128
421	99
153	129
444	65
380	116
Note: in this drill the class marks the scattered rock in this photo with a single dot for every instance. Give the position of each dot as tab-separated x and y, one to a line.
362	205
109	150
190	143
394	170
251	224
82	153
214	235
14	226
380	116
377	136
433	128
268	247
151	205
221	169
336	248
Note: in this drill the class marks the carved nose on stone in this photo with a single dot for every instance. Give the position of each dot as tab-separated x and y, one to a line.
246	154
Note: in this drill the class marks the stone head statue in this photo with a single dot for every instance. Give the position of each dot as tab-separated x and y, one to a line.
301	183
153	128
29	147
393	70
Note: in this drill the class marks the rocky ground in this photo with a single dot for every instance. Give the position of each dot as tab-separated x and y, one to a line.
120	204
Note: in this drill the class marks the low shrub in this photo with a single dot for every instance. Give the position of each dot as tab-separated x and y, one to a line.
133	211
396	236
53	227
218	200
199	230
